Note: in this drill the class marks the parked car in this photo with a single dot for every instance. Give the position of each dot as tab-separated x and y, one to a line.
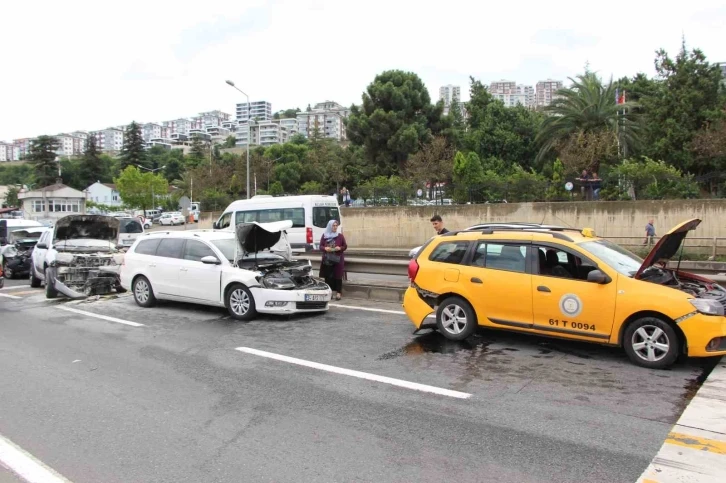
129	230
248	270
78	257
15	257
172	218
494	225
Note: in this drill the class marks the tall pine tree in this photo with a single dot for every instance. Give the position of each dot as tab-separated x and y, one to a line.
42	155
91	167
134	150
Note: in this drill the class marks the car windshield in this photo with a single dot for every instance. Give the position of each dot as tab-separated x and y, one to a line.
130	226
226	246
615	256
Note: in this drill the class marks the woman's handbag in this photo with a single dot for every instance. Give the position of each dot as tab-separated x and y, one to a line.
332	259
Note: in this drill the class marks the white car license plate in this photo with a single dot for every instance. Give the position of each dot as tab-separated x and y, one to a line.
128	242
315	298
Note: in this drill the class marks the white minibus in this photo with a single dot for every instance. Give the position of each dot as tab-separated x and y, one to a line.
310	215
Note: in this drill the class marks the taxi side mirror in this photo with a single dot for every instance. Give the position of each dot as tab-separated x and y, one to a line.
597	276
41	246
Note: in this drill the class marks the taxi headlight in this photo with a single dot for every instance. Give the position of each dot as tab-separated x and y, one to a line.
707	307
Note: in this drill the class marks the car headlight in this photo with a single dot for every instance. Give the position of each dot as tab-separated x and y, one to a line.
280	283
707	306
64	258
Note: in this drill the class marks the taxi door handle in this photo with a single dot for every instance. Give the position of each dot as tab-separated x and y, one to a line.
476	280
542	288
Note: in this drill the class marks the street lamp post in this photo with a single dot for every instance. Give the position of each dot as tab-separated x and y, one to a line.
248	135
153	197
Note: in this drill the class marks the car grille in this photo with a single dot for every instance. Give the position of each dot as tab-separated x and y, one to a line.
310	305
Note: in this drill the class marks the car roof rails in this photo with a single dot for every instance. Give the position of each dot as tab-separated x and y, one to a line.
555	232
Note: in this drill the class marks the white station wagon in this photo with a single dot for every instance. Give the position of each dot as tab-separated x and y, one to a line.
248	271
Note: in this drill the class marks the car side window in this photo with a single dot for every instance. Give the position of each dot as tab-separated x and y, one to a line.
555	262
170	248
224	221
147	247
450	252
502	256
196	250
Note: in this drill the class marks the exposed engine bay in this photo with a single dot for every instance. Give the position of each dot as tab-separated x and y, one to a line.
691	284
83	274
283	274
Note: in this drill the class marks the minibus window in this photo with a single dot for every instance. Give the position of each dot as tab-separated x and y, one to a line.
323	214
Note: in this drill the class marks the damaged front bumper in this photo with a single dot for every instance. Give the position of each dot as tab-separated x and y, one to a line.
82	282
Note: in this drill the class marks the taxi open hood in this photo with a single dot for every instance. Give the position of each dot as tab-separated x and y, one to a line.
668	245
255	237
94	227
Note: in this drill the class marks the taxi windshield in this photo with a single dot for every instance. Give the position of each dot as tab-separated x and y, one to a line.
614	255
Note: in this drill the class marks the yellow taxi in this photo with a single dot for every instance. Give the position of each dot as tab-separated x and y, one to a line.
571	284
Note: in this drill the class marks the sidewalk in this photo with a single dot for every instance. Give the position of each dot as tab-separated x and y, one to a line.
695	449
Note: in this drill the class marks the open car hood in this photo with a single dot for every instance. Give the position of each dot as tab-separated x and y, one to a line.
95	227
255	237
668	245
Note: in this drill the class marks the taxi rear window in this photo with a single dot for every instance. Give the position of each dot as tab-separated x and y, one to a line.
449	252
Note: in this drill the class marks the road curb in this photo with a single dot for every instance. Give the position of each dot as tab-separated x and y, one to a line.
695	449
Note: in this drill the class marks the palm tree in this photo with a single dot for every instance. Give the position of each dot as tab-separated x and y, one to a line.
588	107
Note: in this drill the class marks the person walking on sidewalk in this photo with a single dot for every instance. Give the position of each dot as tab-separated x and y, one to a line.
438	225
332	267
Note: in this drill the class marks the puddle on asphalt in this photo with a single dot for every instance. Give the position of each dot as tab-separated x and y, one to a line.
435	343
694	384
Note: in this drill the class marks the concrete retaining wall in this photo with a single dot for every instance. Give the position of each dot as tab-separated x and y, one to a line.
624	221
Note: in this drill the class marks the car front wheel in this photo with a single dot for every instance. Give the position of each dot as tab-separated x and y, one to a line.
455	318
34	281
50	291
651	342
240	302
143	294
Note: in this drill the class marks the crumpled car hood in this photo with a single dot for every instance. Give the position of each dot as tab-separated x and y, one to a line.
95	227
255	237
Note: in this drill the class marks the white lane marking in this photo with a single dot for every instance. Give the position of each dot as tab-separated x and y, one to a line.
384	311
362	375
102	317
9	296
16	287
26	465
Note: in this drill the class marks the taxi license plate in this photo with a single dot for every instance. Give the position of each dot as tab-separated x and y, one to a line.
315	298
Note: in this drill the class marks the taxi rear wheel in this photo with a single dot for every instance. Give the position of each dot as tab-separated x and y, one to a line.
651	342
455	318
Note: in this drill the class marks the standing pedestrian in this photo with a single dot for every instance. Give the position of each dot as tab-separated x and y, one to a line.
584	179
346	196
596	185
649	233
438	225
332	267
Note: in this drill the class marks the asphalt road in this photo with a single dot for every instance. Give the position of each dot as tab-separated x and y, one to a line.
173	400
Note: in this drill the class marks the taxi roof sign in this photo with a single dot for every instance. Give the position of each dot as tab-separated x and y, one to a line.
588	232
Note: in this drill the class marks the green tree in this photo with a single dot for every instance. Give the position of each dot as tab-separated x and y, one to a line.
136	187
11	197
648	179
42	155
197	153
432	164
276	189
556	190
92	167
312	188
230	142
586	107
468	175
395	119
288	174
496	131
18	174
133	151
690	98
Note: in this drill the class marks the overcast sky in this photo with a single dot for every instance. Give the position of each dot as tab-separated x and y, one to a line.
85	65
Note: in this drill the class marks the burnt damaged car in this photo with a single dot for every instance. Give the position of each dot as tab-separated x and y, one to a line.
78	258
15	255
248	270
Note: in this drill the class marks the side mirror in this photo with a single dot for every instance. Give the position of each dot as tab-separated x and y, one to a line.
210	260
597	276
41	246
215	226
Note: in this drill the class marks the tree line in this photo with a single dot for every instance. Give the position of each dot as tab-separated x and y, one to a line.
646	137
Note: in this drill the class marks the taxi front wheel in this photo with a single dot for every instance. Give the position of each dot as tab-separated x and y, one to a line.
455	318
651	342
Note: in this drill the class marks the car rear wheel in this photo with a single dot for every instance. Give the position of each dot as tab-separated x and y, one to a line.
143	294
50	291
8	271
651	342
34	281
240	302
455	318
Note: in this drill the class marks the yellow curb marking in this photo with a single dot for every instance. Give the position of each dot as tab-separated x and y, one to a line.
694	442
26	293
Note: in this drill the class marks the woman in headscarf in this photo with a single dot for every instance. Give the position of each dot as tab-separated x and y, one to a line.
332	267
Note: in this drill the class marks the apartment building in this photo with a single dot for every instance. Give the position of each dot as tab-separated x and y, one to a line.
22	147
290	124
151	130
259	110
511	99
66	145
503	87
327	117
214	118
513	94
546	91
180	126
6	152
447	94
265	133
109	140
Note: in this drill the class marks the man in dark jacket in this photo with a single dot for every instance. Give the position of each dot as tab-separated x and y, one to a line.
438	225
